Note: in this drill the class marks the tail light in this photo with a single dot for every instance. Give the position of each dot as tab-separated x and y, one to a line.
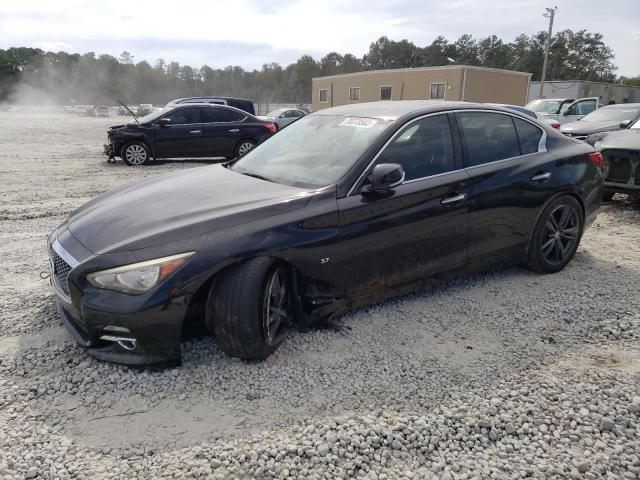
597	159
555	124
272	127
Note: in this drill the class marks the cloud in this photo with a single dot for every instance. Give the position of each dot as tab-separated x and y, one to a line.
252	32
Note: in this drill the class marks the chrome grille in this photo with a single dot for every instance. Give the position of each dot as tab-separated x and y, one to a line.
61	271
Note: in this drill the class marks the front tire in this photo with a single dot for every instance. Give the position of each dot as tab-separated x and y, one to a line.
556	236
249	309
135	153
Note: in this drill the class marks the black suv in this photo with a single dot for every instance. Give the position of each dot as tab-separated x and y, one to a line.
241	103
183	131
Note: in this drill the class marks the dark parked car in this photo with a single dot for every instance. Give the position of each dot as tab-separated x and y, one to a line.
198	130
605	119
240	103
621	151
344	207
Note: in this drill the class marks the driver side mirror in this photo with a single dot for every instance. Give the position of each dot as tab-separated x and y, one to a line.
385	177
164	122
625	124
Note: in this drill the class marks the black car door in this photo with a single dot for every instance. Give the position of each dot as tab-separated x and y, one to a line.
417	229
222	129
509	179
182	136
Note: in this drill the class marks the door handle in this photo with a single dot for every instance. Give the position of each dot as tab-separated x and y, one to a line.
541	177
195	131
234	130
454	199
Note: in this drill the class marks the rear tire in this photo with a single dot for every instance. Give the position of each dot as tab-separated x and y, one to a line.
248	318
556	236
244	146
135	154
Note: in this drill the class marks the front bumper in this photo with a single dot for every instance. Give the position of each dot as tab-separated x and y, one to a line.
147	352
143	330
109	150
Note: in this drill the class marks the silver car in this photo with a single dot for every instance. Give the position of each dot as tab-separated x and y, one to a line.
564	110
284	116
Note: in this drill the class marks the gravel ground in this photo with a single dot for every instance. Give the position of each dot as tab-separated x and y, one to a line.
503	375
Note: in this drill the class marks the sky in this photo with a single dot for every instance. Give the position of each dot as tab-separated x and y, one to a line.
251	33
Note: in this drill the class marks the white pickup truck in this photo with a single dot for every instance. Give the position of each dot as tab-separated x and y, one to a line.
564	110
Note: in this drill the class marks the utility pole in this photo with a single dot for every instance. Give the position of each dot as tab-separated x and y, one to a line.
551	13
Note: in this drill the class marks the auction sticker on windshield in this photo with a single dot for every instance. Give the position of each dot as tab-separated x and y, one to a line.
358	122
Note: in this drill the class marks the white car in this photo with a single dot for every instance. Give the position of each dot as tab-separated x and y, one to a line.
284	116
564	110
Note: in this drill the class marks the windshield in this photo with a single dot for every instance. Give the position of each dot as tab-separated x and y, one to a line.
612	114
544	106
154	115
275	113
636	125
313	152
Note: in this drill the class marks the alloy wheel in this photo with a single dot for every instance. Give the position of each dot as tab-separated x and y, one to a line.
244	148
277	307
136	154
560	235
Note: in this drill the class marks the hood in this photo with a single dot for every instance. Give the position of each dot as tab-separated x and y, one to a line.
585	128
165	208
628	139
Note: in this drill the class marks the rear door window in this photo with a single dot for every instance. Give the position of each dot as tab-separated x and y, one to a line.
424	148
184	116
529	136
487	137
220	115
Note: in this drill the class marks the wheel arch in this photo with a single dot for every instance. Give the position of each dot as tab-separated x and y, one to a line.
195	315
554	197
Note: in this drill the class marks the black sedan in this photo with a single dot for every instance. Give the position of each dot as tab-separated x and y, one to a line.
184	131
344	207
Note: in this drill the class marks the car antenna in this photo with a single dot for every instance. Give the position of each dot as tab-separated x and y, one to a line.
130	111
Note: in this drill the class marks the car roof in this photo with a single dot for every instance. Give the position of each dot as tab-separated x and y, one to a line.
394	109
210	105
210	97
622	105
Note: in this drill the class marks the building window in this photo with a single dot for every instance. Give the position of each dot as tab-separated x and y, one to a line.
324	95
385	93
354	94
437	91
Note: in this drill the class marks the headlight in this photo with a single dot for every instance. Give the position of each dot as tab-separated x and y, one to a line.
138	277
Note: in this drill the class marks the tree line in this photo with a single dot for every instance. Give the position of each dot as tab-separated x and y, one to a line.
30	74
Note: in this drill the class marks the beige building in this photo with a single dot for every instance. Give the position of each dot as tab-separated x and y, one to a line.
453	82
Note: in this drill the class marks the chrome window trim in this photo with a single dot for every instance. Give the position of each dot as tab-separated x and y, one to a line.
542	145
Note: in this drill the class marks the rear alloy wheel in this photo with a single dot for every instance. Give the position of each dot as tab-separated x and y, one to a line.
556	236
244	146
135	153
249	309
